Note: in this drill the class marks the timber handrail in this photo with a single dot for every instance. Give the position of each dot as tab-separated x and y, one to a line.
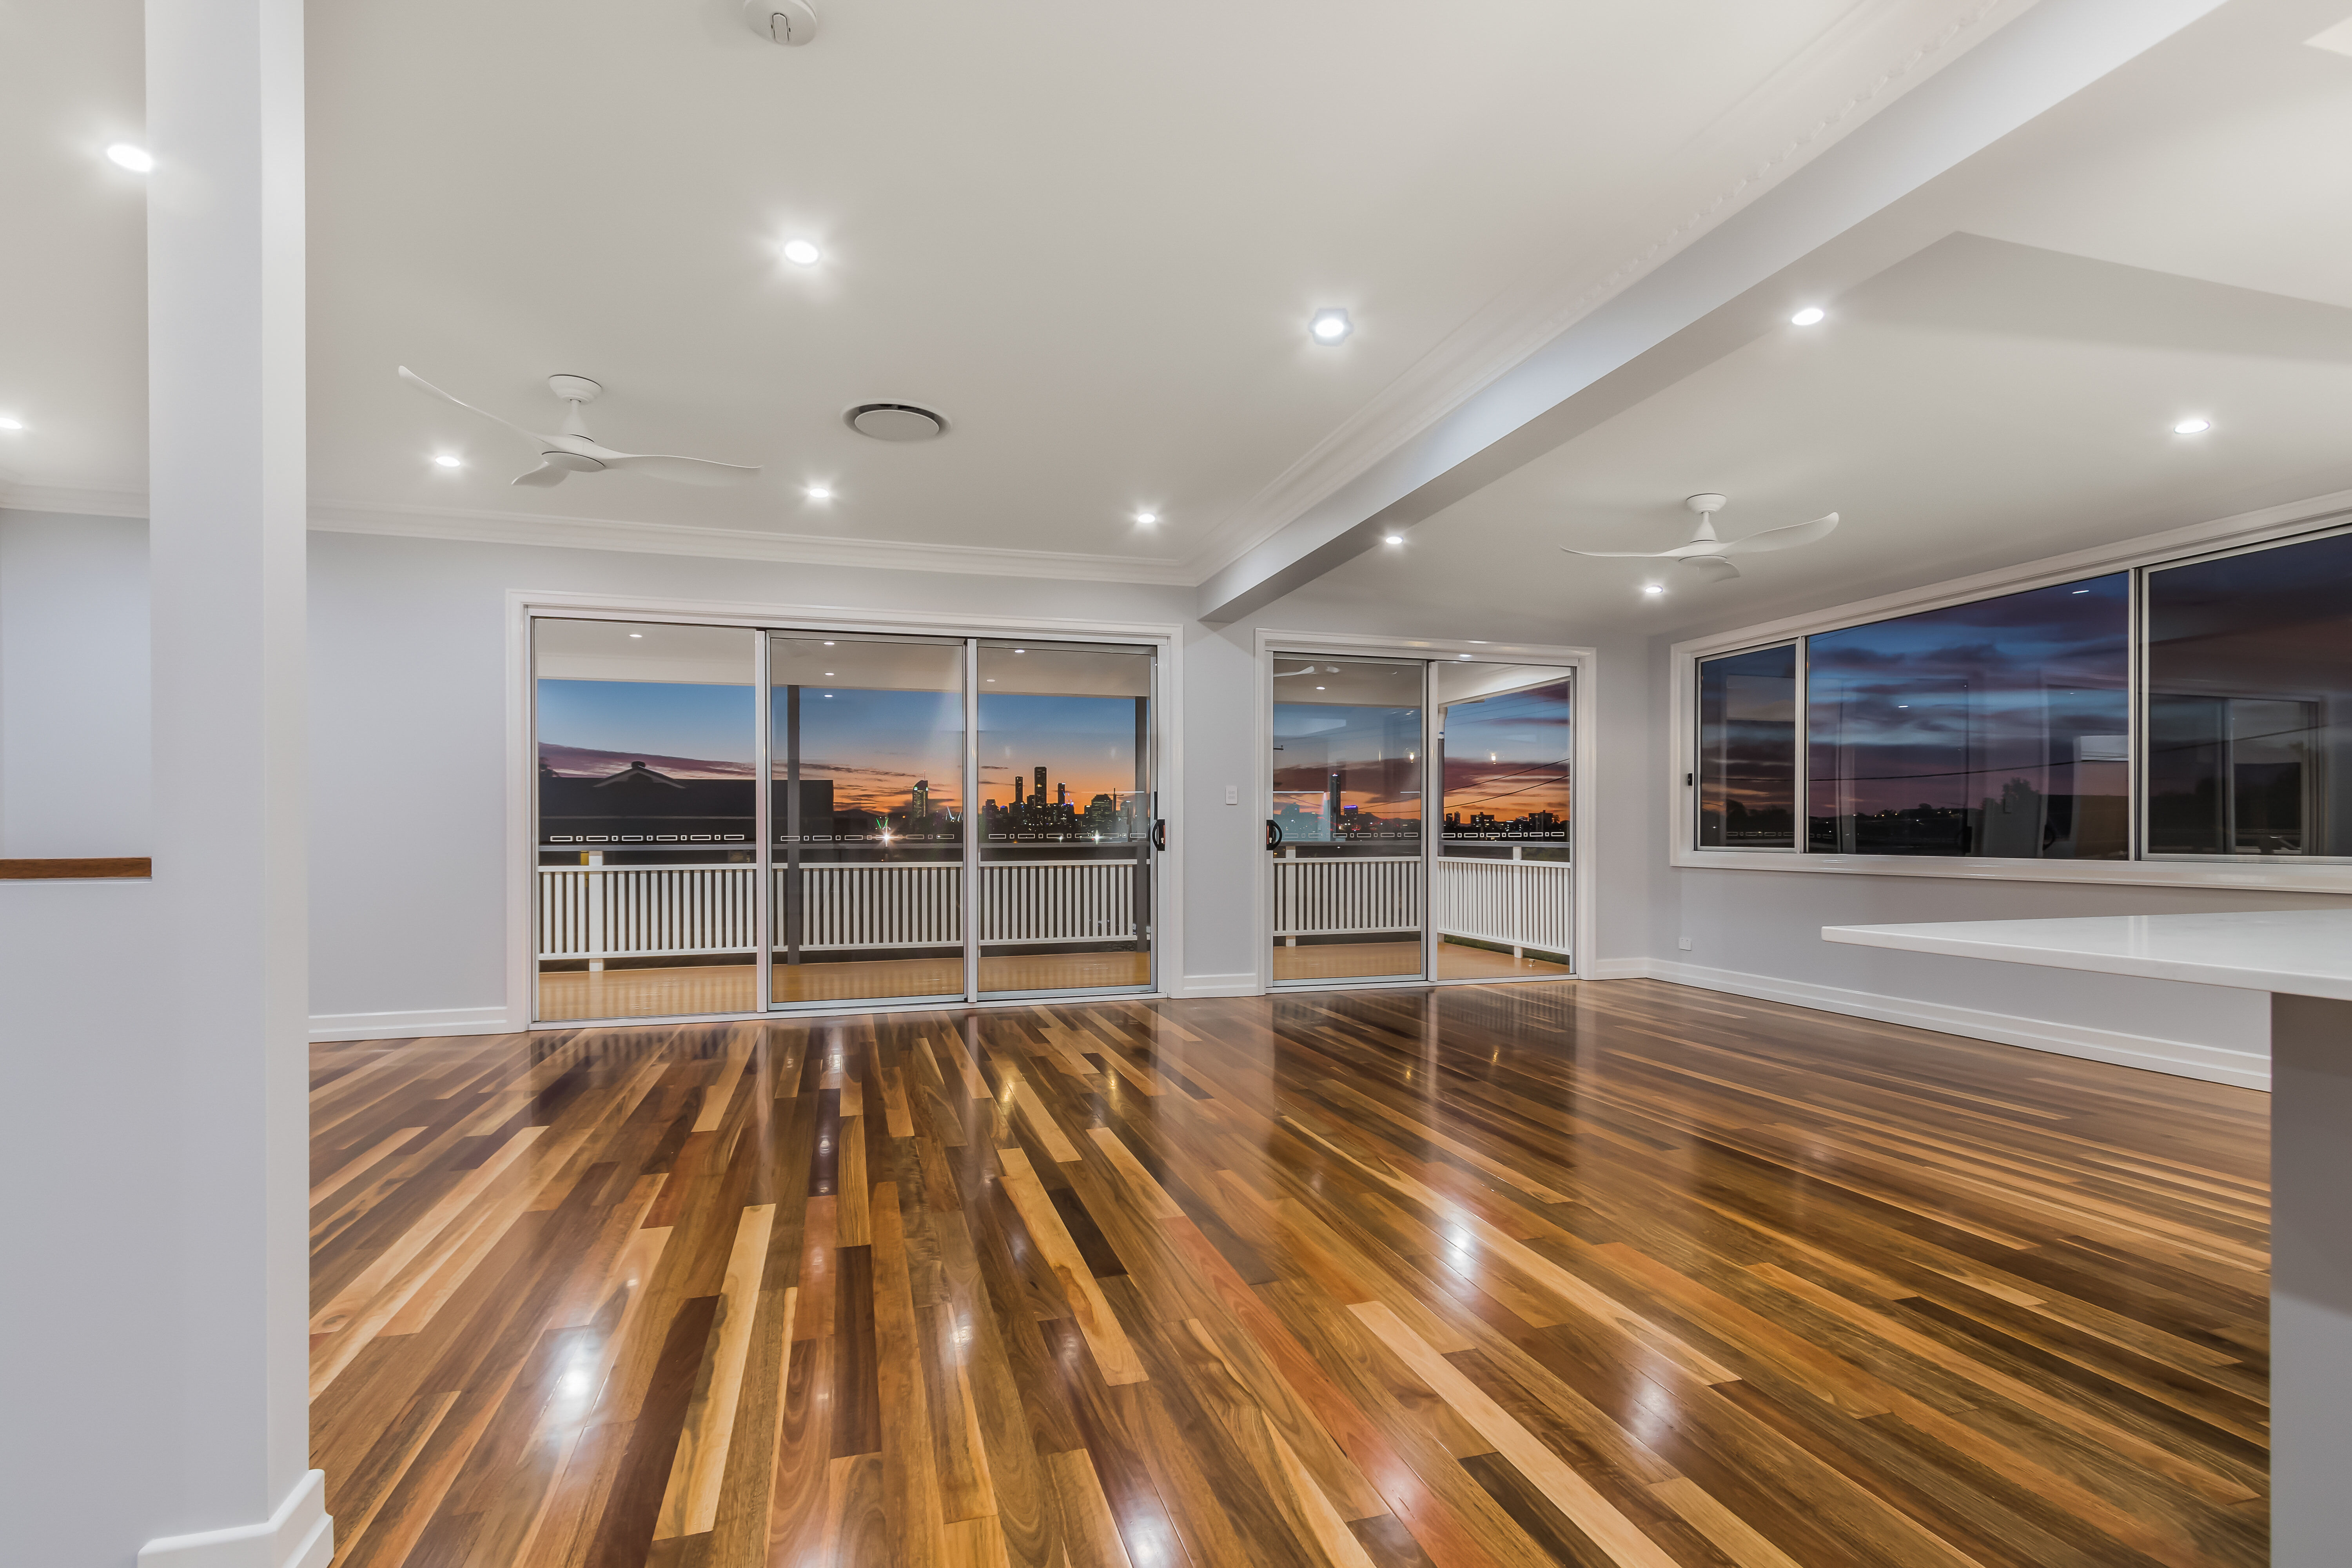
81	868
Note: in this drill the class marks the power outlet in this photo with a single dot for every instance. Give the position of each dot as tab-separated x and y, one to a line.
1684	943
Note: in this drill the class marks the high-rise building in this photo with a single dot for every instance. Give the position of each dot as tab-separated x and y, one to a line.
1041	784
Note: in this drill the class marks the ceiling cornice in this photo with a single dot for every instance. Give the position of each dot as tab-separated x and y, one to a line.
736	544
651	537
72	501
1925	35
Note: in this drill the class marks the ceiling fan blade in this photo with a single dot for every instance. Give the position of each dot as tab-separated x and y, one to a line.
410	376
553	466
1696	547
680	470
1787	538
1710	568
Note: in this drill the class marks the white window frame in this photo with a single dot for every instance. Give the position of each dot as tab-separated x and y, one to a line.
1584	753
2270	525
523	606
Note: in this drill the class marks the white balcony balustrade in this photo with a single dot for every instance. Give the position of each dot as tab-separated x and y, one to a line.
599	912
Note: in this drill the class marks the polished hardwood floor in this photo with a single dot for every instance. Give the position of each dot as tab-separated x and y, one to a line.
1598	1274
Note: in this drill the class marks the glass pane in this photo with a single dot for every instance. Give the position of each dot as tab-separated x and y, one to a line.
1504	893
646	836
865	806
2249	661
1995	728
1748	750
1346	830
1067	813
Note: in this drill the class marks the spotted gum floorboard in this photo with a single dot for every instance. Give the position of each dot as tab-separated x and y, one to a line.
1615	1275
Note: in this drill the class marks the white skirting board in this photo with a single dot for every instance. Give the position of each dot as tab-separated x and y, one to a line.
411	1025
1243	984
2182	1059
299	1535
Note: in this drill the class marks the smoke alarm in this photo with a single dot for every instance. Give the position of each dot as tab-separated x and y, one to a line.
792	22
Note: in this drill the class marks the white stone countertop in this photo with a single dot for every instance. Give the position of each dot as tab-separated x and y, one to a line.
2303	953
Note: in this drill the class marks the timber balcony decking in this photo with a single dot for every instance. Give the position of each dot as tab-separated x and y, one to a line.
1620	1274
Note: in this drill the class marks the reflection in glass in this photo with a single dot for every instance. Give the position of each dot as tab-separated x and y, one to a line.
2248	677
1997	727
1346	830
1748	750
646	836
866	764
1065	817
1504	888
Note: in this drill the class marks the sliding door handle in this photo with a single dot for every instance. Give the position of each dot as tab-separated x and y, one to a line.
1273	834
1160	835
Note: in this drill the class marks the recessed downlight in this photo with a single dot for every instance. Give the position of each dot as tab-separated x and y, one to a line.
818	492
1331	325
1393	539
637	635
802	252
2192	426
896	422
1654	588
447	460
1811	316
9	422
1147	518
138	160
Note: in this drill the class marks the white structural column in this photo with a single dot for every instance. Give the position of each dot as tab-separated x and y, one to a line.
225	305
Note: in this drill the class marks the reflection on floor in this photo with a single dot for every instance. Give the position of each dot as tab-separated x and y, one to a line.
567	995
1459	961
1368	960
570	993
1619	1276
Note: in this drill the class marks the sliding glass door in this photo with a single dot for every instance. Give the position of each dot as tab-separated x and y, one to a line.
866	818
1504	887
1419	825
943	819
647	848
1066	818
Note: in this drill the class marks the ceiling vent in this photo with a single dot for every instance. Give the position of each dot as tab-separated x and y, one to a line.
896	422
790	22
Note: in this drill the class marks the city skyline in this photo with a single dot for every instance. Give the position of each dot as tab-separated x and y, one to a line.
874	744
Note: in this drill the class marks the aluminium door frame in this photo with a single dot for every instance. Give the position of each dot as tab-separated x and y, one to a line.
520	1006
1581	661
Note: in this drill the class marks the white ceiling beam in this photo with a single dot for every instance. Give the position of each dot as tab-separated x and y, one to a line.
1713	295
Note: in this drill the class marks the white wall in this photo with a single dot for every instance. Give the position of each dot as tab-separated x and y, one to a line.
73	748
408	716
81	1484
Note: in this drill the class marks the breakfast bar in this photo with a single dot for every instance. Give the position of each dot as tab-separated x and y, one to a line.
2304	959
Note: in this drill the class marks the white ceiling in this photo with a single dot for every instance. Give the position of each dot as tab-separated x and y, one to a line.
2171	242
1091	235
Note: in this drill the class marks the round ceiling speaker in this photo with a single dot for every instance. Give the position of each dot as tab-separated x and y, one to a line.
896	422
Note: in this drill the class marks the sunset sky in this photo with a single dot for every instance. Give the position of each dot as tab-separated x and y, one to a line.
874	745
1943	708
1505	755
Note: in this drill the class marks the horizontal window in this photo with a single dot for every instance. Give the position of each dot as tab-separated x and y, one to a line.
2249	687
2011	728
1996	729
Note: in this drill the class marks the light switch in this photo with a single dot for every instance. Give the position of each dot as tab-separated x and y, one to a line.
1233	795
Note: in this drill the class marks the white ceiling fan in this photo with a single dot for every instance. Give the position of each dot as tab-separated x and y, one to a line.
1705	553
573	451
